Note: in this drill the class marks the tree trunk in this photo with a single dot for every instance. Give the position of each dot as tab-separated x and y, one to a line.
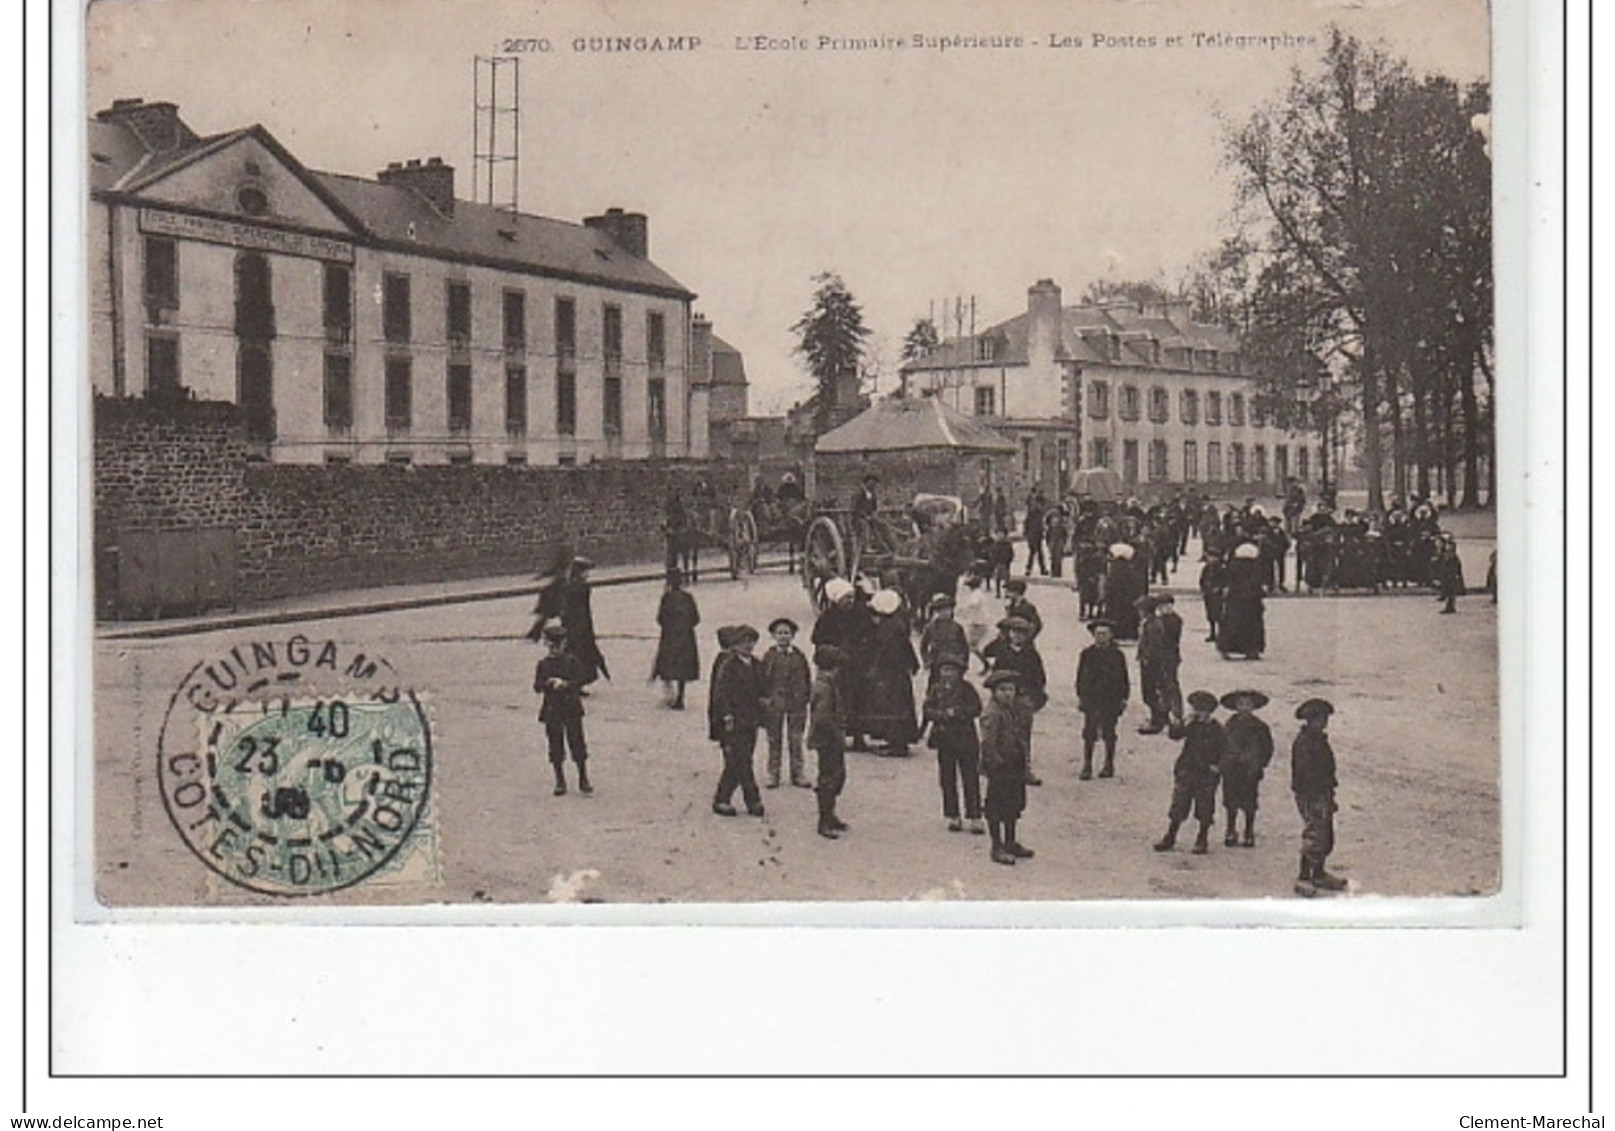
1393	405
1421	437
1471	411
1372	453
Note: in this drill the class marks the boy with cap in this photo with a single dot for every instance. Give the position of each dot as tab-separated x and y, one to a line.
1250	749
951	709
827	737
1102	690
1019	606
559	678
1014	651
1003	761
1194	774
1312	780
734	712
943	638
786	685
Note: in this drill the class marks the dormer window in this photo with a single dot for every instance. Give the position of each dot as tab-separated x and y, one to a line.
986	349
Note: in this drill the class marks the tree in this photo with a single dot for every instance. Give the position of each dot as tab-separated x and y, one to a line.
1124	290
1371	192
920	340
830	335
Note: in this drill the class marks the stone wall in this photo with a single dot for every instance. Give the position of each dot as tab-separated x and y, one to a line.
301	530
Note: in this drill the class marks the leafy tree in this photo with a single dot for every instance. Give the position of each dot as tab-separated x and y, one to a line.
1124	290
1370	192
920	340
830	336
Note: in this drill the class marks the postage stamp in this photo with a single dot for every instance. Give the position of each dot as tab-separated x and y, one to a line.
294	767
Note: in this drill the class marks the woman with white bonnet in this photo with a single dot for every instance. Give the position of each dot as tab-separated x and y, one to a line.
1243	631
1124	585
889	713
848	624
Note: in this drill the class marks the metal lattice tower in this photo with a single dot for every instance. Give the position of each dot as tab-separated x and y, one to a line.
496	130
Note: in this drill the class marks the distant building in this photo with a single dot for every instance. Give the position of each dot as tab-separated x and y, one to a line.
914	444
370	320
717	375
1140	388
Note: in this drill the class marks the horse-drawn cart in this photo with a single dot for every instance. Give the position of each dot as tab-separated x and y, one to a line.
919	549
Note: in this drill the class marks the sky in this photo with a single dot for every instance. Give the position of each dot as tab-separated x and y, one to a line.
920	174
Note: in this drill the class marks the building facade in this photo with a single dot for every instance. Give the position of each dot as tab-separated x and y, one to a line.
1140	388
374	320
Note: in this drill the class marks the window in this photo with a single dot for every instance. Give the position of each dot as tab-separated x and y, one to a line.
1191	461
1213	462
1157	460
338	302
1236	463
516	459
399	459
1098	399
255	300
611	405
566	328
1099	450
458	315
1259	464
161	282
515	400
459	397
1281	463
1160	405
986	349
1236	409
1213	408
566	403
1189	406
459	459
338	392
337	459
1301	470
162	365
399	394
1130	461
1130	402
1026	455
395	319
986	400
655	340
515	321
1258	413
611	333
1062	448
656	408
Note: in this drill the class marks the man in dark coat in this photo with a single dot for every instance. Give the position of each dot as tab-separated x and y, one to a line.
1312	780
576	613
1102	691
734	712
1032	528
1213	588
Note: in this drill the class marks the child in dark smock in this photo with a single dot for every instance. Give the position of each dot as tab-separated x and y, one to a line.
560	678
1250	749
951	709
1003	761
1194	774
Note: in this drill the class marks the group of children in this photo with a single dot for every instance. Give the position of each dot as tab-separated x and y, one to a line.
799	706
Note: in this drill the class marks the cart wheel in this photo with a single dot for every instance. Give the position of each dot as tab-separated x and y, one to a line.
824	556
742	542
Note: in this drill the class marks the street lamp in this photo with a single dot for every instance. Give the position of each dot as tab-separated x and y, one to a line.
1316	393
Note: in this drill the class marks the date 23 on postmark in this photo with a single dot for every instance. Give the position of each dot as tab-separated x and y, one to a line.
295	767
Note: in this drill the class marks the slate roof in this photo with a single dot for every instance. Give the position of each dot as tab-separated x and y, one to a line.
728	365
395	214
898	424
1123	321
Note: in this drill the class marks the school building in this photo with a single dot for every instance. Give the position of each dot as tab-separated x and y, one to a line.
376	319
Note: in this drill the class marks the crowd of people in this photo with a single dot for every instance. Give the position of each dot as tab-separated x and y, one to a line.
982	680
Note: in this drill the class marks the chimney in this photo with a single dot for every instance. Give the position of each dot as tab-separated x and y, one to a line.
630	230
432	181
156	125
700	350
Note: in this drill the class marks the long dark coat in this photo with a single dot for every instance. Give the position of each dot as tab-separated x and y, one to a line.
577	615
677	656
1244	625
851	629
1124	585
889	706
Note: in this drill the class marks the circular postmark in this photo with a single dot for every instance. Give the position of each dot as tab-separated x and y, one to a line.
294	767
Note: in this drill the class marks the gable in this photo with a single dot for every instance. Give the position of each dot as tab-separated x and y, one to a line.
227	181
